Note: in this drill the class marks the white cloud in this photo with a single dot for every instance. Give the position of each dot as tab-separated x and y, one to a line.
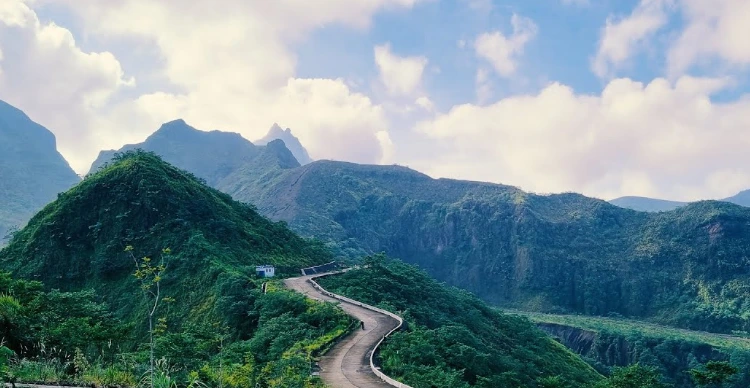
399	75
386	144
714	29
45	73
622	38
660	139
229	67
425	103
576	2
502	51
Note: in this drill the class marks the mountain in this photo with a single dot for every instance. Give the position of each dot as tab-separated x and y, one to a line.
32	172
555	253
453	339
562	253
291	142
78	241
742	198
209	155
645	204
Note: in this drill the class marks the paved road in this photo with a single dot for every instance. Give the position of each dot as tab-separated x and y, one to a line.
347	364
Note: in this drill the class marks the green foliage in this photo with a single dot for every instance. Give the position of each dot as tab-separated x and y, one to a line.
608	342
77	242
562	253
218	328
714	374
634	376
454	338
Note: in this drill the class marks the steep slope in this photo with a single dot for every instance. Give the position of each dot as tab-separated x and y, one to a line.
610	342
559	253
139	200
645	204
208	155
291	142
32	172
742	198
452	339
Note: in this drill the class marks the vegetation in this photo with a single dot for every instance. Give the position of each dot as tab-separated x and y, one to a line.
608	343
452	338
562	253
78	242
53	337
72	311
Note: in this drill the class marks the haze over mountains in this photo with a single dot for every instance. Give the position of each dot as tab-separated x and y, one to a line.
291	142
657	205
32	172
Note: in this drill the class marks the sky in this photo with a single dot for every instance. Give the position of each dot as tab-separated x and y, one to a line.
602	97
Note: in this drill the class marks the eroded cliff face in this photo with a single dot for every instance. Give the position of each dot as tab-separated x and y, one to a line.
605	349
576	339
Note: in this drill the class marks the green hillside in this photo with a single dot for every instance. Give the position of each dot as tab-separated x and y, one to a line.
453	339
553	253
562	253
141	201
213	315
612	342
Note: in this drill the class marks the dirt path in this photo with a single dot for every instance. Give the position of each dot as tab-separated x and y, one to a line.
347	365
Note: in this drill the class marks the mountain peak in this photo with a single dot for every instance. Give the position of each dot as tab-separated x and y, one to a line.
178	126
139	199
291	142
209	155
32	169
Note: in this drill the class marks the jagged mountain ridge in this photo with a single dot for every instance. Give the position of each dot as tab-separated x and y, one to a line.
291	142
32	171
209	155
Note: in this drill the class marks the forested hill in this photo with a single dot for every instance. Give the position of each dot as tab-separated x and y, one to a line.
452	339
78	241
32	172
559	253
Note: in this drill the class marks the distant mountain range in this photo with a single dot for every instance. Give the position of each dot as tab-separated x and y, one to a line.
555	253
32	172
659	205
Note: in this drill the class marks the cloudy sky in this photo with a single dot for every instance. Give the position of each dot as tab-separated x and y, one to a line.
604	97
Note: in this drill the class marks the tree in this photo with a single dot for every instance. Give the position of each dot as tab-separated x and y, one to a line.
5	356
633	376
150	277
713	374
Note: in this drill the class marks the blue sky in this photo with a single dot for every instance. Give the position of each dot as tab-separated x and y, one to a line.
608	98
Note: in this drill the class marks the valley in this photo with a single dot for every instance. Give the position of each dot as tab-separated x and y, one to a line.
199	211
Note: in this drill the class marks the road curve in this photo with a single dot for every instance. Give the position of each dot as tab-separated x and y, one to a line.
347	364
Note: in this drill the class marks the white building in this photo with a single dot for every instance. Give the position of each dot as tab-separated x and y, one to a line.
266	271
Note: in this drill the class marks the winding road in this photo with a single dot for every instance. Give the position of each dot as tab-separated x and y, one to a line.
347	364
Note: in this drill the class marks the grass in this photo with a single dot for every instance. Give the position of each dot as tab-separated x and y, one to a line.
630	326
